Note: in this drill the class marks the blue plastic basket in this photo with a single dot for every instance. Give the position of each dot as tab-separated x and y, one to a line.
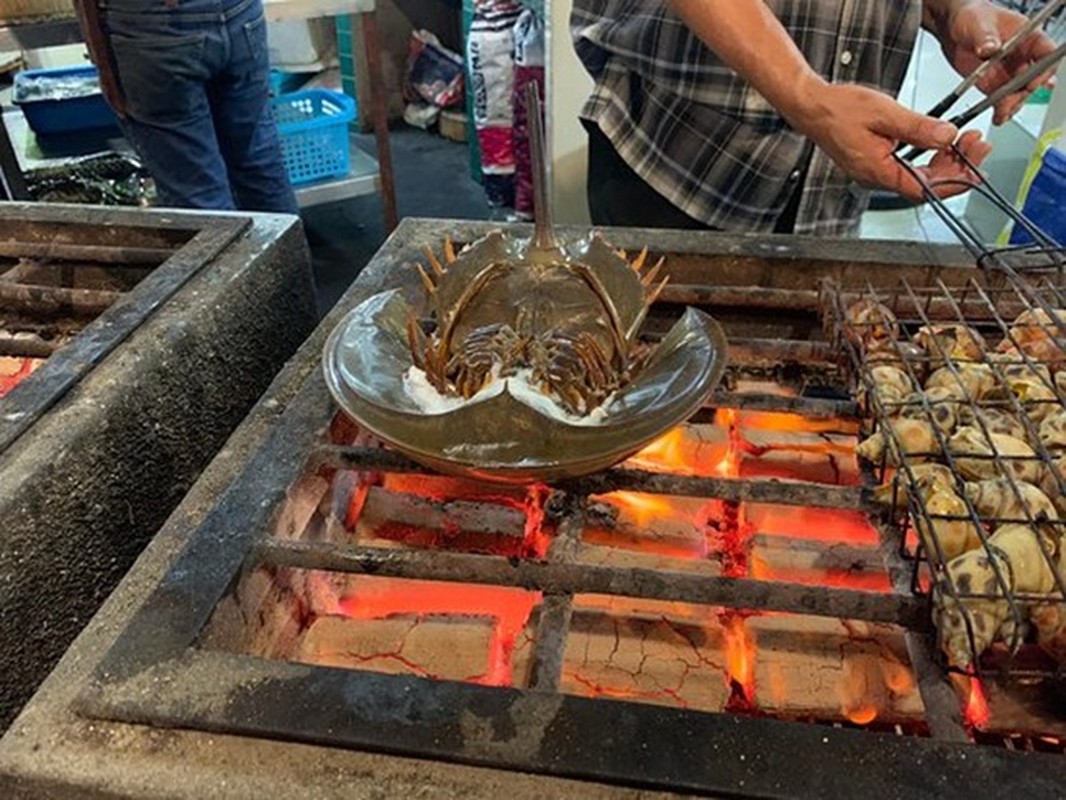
282	82
62	115
314	133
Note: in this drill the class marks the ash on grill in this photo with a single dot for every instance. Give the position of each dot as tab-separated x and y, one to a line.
964	392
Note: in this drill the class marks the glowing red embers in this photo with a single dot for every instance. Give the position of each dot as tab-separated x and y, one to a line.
976	712
15	370
448	631
440	513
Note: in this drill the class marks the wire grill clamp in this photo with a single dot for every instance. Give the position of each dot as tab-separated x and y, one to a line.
1011	311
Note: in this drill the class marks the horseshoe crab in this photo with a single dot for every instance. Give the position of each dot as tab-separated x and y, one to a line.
531	367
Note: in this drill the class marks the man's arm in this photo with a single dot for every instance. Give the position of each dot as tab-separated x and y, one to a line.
749	38
859	128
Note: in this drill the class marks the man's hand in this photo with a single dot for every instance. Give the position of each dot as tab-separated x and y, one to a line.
971	31
860	129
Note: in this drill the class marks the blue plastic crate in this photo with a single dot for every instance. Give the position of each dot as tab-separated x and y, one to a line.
314	133
65	114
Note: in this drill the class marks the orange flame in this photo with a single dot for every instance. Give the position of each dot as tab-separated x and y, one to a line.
814	524
776	421
898	678
976	712
863	714
642	508
445	487
729	465
668	451
740	654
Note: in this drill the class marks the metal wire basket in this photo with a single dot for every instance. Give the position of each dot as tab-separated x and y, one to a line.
965	496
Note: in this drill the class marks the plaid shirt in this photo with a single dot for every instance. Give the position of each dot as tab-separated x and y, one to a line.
699	134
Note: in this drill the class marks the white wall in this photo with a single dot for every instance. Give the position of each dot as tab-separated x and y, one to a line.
567	87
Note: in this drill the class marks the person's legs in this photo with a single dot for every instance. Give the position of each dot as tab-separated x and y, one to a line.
239	96
618	196
162	64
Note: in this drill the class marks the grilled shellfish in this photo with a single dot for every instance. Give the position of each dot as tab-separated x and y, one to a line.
949	531
910	437
871	325
958	343
977	457
1021	563
1003	499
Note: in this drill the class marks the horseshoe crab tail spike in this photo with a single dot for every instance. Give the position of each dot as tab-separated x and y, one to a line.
543	232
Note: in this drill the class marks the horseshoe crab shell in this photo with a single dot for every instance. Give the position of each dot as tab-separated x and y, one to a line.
496	436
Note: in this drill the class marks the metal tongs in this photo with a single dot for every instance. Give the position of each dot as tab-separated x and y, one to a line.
1014	84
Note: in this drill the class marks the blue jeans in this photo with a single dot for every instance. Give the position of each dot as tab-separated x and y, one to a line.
195	77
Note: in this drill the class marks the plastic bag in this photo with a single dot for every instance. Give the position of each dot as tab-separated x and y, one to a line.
1043	193
434	73
490	59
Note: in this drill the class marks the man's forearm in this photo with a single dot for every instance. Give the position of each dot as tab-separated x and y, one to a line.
749	38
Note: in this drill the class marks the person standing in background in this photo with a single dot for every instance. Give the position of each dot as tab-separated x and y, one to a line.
773	115
190	83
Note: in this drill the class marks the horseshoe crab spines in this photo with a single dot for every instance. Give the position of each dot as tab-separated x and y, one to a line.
638	262
416	339
652	273
658	290
427	282
434	263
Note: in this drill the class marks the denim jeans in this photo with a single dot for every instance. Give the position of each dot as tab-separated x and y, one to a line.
195	77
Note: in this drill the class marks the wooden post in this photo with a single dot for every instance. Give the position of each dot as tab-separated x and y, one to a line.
371	46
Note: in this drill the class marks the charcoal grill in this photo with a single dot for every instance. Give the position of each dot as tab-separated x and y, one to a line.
137	322
188	683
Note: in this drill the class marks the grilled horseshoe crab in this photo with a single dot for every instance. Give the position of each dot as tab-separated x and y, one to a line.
570	320
530	366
